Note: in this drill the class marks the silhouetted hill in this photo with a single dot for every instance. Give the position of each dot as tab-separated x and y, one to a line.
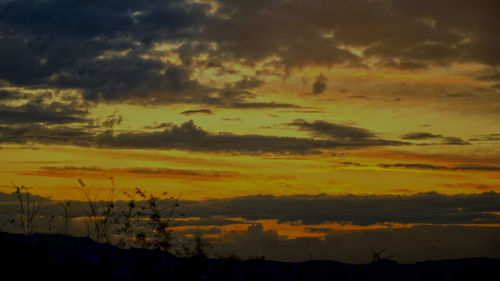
61	257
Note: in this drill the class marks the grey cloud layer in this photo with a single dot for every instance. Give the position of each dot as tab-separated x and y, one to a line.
36	111
426	136
105	48
186	136
342	133
426	208
436	167
360	210
197	111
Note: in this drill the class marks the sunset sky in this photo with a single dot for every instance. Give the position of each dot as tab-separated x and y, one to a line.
292	118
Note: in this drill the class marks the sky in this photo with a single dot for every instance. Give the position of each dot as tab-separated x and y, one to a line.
339	125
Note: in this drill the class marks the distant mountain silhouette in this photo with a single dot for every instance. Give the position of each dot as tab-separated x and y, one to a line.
60	257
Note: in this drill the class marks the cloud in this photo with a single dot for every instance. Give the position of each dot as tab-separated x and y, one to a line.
435	167
342	133
103	49
8	95
410	35
331	130
211	221
428	207
37	133
426	136
261	105
319	85
478	186
191	137
186	136
198	111
188	174
107	49
112	52
488	137
455	141
112	120
134	80
488	74
160	126
420	136
38	110
359	210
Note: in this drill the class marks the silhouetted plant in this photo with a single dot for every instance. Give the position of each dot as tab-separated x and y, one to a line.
27	208
65	207
98	211
127	231
50	223
195	247
159	237
377	256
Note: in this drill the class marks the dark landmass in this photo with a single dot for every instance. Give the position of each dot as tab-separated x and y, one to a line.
58	257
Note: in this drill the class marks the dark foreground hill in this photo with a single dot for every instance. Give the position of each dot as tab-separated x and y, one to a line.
61	257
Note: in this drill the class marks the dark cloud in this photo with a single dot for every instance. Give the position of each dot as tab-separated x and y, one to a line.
478	186
99	47
134	80
454	141
186	136
436	167
263	105
197	111
215	221
420	136
41	134
331	130
350	164
426	136
248	83
342	133
72	171
20	107
428	207
488	74
311	210
489	137
238	95
191	137
319	85
160	126
37	111
6	95
112	120
106	49
410	35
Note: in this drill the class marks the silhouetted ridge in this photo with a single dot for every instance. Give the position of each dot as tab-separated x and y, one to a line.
60	257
